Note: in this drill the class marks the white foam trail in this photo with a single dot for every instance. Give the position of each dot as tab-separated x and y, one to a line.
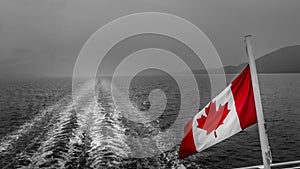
98	134
57	133
107	133
7	141
64	117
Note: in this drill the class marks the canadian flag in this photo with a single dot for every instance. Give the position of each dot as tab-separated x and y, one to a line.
230	112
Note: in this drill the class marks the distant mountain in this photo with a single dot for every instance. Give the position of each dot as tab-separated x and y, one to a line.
283	60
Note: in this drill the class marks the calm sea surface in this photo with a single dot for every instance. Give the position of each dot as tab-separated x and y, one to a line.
41	126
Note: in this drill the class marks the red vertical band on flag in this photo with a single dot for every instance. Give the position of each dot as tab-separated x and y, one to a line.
243	95
187	146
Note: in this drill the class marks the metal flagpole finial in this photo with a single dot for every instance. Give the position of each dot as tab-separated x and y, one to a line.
247	42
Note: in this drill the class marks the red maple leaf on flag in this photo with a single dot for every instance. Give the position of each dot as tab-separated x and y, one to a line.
214	118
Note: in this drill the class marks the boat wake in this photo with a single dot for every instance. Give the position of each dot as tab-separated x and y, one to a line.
89	131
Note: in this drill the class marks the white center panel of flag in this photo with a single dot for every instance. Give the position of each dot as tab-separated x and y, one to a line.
229	127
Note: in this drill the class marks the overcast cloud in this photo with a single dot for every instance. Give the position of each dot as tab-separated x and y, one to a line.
44	37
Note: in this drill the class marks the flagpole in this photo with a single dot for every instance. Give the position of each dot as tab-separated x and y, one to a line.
264	143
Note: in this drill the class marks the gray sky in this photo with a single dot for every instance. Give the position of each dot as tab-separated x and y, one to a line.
44	37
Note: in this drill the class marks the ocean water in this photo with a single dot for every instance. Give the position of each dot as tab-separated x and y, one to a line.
43	127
